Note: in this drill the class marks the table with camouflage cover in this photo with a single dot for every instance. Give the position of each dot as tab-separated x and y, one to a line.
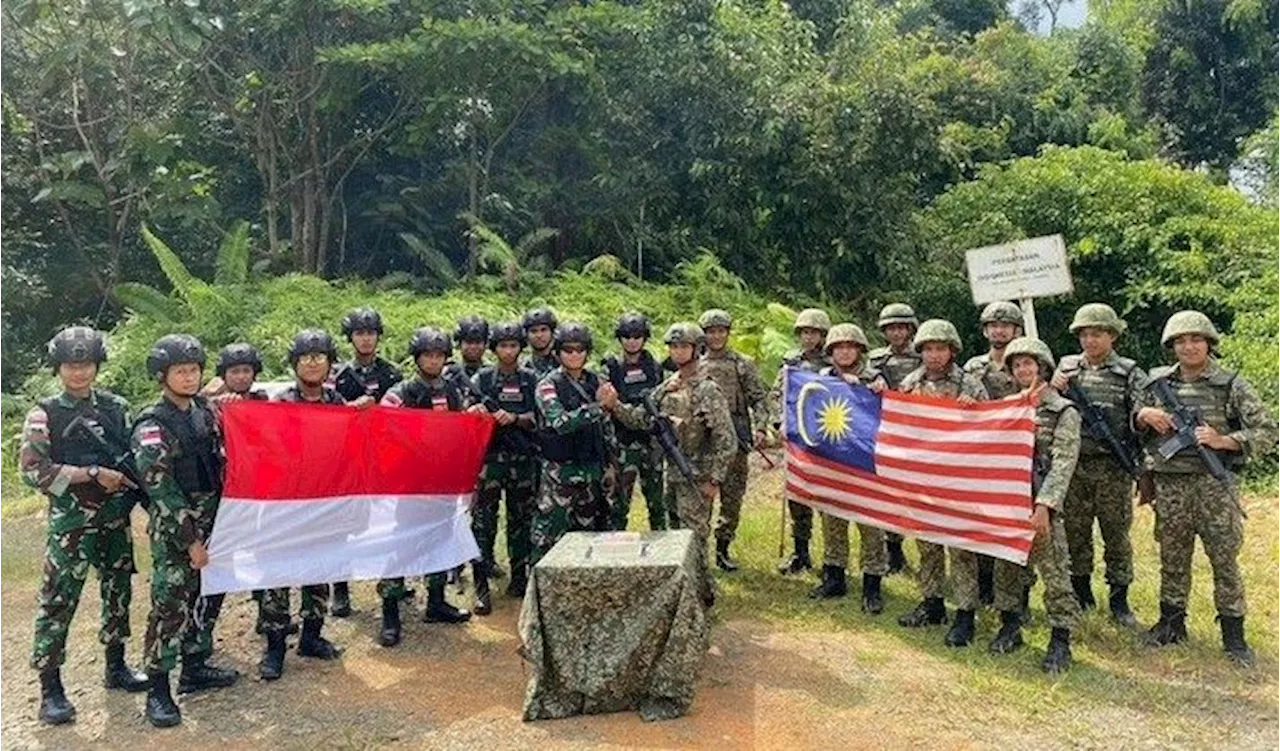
612	621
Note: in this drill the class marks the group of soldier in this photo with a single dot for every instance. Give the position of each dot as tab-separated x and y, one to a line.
1102	427
571	443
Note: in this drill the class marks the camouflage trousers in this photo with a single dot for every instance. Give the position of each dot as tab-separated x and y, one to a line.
571	498
274	606
695	515
107	545
801	520
1050	559
964	574
1100	490
872	556
642	463
732	491
1191	505
514	477
172	629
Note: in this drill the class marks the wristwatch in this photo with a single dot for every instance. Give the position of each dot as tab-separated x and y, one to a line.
93	473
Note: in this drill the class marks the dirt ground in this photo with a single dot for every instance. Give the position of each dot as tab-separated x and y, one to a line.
766	683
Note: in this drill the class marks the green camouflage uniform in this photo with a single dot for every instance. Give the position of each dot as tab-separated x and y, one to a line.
1058	441
873	558
995	379
814	360
541	365
179	517
738	379
639	455
571	495
86	528
1100	488
510	466
1189	501
933	557
700	416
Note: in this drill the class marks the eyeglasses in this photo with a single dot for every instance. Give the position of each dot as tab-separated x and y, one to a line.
314	358
632	336
572	349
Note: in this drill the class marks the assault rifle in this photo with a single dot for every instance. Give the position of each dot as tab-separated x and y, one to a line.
1095	422
666	435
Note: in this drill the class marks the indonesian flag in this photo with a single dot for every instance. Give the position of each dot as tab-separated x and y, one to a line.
321	493
920	466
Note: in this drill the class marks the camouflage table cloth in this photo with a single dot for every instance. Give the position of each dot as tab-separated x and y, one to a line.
613	621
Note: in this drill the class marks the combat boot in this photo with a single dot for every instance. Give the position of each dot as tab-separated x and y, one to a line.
986	580
1083	586
161	710
930	612
455	579
799	560
726	564
271	666
340	600
1009	637
1058	658
897	561
312	644
1233	640
1120	612
389	636
872	602
519	582
198	675
118	674
484	600
1170	629
832	585
438	609
55	708
961	632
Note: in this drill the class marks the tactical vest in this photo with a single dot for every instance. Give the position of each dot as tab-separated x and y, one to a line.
196	463
542	364
997	382
894	366
1108	389
354	381
79	449
443	395
583	446
813	361
511	392
865	375
1211	397
1047	416
632	380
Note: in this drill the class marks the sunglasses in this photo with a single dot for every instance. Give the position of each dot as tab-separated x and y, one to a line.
573	349
314	358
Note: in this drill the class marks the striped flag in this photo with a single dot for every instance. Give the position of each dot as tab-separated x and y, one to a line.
920	466
320	493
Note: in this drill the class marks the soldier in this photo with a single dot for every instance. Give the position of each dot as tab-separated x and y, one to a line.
1057	445
178	449
472	336
938	343
640	456
579	452
898	323
846	346
1001	323
1101	488
811	330
430	388
737	377
89	505
540	329
366	374
1189	501
511	465
700	416
311	356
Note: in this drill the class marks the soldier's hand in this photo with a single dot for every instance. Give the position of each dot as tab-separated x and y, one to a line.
199	556
112	480
1155	418
966	400
877	386
224	398
709	490
1059	381
1036	393
607	395
477	409
1040	521
762	440
214	387
1208	436
504	417
363	402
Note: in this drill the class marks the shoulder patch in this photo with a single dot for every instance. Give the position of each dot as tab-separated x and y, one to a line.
150	435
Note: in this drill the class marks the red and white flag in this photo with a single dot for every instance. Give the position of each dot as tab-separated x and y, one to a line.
920	466
322	493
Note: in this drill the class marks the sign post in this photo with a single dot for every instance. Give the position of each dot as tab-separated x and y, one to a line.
1021	270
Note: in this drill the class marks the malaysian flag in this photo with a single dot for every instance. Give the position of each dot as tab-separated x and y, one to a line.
920	466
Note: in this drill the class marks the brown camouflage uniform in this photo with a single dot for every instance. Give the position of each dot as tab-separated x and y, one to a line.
737	377
933	557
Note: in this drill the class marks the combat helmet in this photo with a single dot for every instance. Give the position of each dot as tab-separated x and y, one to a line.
846	332
174	349
1189	322
632	324
937	330
715	317
310	342
1097	315
77	344
1029	345
239	353
573	332
509	331
685	332
813	318
1001	311
897	312
361	319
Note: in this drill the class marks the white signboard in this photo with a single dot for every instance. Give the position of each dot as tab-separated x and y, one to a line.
1019	270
